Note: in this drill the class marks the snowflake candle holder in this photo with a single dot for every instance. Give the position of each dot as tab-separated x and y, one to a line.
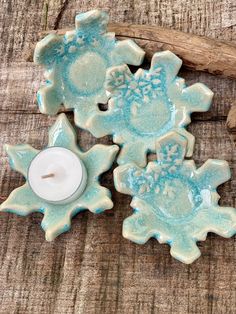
147	105
76	65
61	180
173	201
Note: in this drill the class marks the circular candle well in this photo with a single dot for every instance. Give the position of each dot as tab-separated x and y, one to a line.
57	175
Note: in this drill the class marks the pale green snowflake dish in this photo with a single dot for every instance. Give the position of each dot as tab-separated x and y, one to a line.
76	65
57	217
175	202
147	105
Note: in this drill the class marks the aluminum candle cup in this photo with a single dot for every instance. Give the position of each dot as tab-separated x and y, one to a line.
57	175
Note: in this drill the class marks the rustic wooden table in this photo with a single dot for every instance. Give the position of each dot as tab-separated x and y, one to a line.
92	269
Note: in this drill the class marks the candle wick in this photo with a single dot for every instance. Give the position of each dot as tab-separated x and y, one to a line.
50	175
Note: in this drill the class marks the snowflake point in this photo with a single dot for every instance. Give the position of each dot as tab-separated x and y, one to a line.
42	47
169	61
94	18
174	140
199	97
116	77
131	52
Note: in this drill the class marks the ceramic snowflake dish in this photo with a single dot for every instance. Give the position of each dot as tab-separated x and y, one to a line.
57	217
175	202
76	65
147	105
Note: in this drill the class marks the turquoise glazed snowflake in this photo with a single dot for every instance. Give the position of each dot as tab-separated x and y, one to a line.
57	217
173	201
147	105
76	65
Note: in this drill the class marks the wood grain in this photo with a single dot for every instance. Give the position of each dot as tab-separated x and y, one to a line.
197	52
231	119
92	269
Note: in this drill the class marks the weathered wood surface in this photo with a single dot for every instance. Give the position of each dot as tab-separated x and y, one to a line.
92	269
197	52
231	119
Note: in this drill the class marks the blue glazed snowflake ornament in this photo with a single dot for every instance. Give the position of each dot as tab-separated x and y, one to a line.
147	105
76	65
175	202
57	217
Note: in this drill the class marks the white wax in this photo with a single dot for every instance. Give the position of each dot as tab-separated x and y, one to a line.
68	178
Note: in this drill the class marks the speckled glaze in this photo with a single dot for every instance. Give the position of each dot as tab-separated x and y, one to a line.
147	105
57	218
173	201
76	65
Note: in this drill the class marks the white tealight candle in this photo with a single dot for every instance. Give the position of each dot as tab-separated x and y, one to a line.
57	175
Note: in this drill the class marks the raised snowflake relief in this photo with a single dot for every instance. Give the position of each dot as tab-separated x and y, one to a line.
147	105
173	201
76	65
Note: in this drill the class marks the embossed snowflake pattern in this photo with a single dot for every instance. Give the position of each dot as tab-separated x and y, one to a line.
76	65
147	105
175	202
57	217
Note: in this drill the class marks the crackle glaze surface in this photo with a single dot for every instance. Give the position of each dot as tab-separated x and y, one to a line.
76	65
147	105
173	201
57	217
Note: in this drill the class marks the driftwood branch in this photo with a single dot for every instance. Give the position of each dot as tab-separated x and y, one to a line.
231	119
197	52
